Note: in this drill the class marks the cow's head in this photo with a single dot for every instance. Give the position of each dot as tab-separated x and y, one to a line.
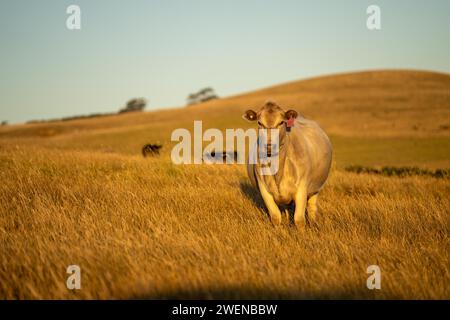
271	116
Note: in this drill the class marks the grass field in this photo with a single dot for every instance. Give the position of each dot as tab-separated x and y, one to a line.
79	192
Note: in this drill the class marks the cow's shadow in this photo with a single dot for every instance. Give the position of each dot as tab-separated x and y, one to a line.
249	291
252	193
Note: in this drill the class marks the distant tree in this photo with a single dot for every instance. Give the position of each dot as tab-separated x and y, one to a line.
137	104
4	123
192	98
202	95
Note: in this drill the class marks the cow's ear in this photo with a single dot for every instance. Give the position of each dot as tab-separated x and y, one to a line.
290	114
249	115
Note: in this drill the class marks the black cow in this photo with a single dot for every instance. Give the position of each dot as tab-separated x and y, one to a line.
151	149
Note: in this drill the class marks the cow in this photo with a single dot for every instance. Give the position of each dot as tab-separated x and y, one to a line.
222	156
151	149
304	161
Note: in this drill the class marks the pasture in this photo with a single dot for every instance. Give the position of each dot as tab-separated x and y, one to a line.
80	192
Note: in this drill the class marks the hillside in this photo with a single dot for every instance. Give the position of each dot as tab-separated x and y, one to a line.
374	103
379	117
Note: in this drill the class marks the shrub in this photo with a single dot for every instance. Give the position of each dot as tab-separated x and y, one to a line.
400	171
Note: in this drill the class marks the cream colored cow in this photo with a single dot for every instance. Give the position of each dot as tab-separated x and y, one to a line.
305	155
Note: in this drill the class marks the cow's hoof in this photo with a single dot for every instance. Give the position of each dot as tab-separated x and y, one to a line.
300	224
276	220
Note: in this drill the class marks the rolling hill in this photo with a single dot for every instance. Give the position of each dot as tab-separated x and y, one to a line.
373	103
381	117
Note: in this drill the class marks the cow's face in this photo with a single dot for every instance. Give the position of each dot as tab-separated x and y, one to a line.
271	116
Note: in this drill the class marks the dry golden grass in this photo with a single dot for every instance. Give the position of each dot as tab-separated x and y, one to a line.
145	228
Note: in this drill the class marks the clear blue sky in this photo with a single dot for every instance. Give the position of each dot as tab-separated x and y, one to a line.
163	50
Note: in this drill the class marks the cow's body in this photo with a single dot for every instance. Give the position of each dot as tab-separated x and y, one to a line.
305	155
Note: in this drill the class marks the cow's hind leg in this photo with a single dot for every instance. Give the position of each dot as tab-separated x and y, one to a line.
287	212
287	215
312	208
300	207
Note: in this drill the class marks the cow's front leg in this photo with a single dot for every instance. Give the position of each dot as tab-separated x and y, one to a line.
300	207
272	207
